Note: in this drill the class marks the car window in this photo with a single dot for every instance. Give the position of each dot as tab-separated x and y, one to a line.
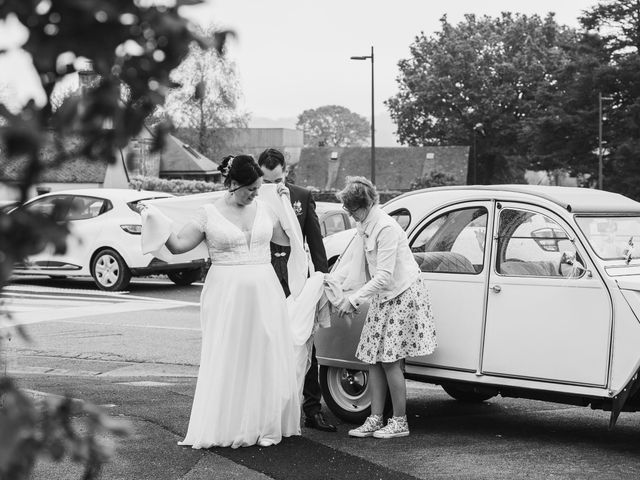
402	216
54	206
333	223
453	242
532	244
82	207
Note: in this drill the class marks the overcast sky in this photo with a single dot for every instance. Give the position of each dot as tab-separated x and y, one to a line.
294	54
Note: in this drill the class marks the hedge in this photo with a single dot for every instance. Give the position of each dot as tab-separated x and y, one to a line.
178	187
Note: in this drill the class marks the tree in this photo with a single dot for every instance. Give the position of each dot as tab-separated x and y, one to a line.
129	43
617	22
563	135
333	125
208	94
618	25
483	70
432	179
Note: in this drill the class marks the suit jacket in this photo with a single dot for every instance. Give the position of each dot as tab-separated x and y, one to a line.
305	209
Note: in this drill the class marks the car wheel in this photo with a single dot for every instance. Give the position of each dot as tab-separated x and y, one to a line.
185	277
109	271
469	393
346	393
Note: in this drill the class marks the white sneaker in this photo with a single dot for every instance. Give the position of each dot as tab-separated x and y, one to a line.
370	425
396	427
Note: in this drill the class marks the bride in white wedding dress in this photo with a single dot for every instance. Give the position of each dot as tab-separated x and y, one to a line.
247	391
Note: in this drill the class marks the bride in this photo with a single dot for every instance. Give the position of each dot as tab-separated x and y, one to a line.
247	391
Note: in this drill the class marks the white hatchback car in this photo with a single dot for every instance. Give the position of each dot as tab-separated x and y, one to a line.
104	240
535	293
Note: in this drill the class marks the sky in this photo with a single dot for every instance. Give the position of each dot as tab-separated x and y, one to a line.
293	55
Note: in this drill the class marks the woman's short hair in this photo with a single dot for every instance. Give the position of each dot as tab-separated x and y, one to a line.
358	192
242	169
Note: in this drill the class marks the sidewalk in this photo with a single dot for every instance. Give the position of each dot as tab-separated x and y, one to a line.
155	400
155	403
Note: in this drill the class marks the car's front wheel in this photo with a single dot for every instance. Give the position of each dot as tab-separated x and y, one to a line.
109	270
185	277
346	393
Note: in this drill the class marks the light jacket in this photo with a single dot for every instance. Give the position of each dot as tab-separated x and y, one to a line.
387	267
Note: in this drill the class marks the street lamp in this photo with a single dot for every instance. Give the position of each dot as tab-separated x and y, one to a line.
600	174
373	120
477	128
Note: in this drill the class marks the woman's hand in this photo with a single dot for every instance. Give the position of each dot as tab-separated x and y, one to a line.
346	308
282	189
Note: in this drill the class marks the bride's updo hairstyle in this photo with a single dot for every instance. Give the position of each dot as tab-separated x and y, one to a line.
241	169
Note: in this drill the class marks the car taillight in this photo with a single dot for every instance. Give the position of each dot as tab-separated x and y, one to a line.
132	229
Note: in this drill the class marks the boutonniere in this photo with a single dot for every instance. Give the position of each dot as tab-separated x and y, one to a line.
297	207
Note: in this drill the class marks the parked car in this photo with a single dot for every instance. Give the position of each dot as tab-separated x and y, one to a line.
535	292
334	222
104	240
333	218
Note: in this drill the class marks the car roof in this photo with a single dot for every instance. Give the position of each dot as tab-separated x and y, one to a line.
322	207
573	199
125	194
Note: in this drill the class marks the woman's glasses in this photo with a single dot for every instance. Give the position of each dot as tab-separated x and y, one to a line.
350	211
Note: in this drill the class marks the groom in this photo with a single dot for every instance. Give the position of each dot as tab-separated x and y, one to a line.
274	167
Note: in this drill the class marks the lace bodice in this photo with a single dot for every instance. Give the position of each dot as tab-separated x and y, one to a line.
228	244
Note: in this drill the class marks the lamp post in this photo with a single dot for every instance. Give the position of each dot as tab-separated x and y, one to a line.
373	120
478	127
600	166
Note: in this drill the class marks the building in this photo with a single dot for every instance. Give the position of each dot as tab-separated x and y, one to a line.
253	141
80	172
396	167
176	160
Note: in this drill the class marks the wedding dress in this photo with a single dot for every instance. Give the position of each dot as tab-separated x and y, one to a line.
247	388
255	344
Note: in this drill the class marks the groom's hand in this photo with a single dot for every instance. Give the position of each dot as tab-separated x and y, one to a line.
282	189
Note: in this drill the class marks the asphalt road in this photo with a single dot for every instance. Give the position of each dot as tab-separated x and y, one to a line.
136	355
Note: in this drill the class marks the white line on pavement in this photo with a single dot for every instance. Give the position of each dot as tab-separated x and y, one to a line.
160	327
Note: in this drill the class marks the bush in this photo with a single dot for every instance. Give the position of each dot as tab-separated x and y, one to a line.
177	187
432	179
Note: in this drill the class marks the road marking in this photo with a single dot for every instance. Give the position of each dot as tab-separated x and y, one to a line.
147	383
33	304
132	325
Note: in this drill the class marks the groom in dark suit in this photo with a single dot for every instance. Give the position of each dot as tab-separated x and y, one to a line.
274	167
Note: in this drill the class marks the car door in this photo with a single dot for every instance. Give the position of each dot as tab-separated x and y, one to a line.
450	248
85	222
52	206
546	319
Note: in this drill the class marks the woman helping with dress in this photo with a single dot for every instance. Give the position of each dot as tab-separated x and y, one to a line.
247	391
399	321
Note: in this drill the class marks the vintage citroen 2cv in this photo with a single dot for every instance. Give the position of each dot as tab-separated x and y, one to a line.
536	294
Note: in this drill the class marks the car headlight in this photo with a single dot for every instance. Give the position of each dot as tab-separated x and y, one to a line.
132	229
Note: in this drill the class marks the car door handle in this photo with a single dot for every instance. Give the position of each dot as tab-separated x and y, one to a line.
496	288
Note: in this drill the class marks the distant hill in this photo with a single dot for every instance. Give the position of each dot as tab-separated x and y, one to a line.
385	127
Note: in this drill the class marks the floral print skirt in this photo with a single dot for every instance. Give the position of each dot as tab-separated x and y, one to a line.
398	328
